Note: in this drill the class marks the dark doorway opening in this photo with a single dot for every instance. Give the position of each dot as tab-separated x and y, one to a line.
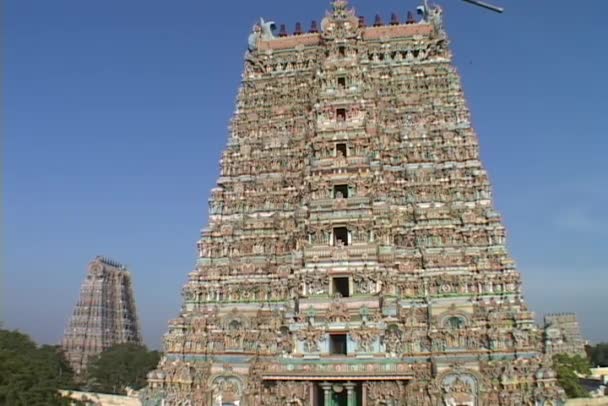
337	344
340	398
340	191
341	236
341	114
342	50
341	150
341	82
319	396
341	285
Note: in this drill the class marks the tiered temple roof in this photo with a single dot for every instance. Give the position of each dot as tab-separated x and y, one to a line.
104	315
563	335
353	254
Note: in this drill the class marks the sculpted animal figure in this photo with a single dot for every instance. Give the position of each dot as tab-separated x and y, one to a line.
263	30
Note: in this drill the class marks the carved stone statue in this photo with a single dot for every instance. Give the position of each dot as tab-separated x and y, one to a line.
261	31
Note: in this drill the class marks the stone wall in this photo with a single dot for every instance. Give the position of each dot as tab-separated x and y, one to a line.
102	399
588	402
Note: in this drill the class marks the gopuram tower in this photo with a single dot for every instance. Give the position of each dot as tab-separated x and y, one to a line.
104	315
353	255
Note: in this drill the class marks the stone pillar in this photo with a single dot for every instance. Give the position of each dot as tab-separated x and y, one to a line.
364	394
350	394
326	393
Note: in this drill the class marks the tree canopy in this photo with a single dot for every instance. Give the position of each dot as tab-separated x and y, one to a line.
31	375
121	366
567	367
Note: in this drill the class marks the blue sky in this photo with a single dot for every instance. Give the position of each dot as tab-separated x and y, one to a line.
116	114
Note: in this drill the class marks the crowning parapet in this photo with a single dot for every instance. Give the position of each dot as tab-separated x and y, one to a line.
353	256
104	315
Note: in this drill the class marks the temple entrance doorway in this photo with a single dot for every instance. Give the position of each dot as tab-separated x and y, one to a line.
338	393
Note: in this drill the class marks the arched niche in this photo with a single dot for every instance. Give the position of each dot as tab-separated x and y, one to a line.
227	390
460	389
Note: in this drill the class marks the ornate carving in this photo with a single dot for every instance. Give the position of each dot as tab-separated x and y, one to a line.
393	339
310	338
226	389
383	392
460	389
337	311
341	22
364	282
287	393
364	338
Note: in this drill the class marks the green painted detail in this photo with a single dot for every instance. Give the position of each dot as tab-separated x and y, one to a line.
354	361
236	301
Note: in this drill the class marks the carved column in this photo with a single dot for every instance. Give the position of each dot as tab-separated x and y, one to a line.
326	393
350	394
364	393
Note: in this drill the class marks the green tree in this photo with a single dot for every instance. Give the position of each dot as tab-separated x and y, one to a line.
31	375
121	366
567	367
599	354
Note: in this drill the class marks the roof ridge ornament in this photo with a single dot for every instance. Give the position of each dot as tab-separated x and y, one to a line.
341	23
340	9
261	31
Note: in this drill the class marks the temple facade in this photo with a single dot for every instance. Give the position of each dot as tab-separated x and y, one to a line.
104	315
353	255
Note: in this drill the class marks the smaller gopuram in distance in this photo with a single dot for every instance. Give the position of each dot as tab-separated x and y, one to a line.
104	315
563	335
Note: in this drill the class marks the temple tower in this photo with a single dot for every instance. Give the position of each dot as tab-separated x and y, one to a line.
563	334
353	255
104	315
